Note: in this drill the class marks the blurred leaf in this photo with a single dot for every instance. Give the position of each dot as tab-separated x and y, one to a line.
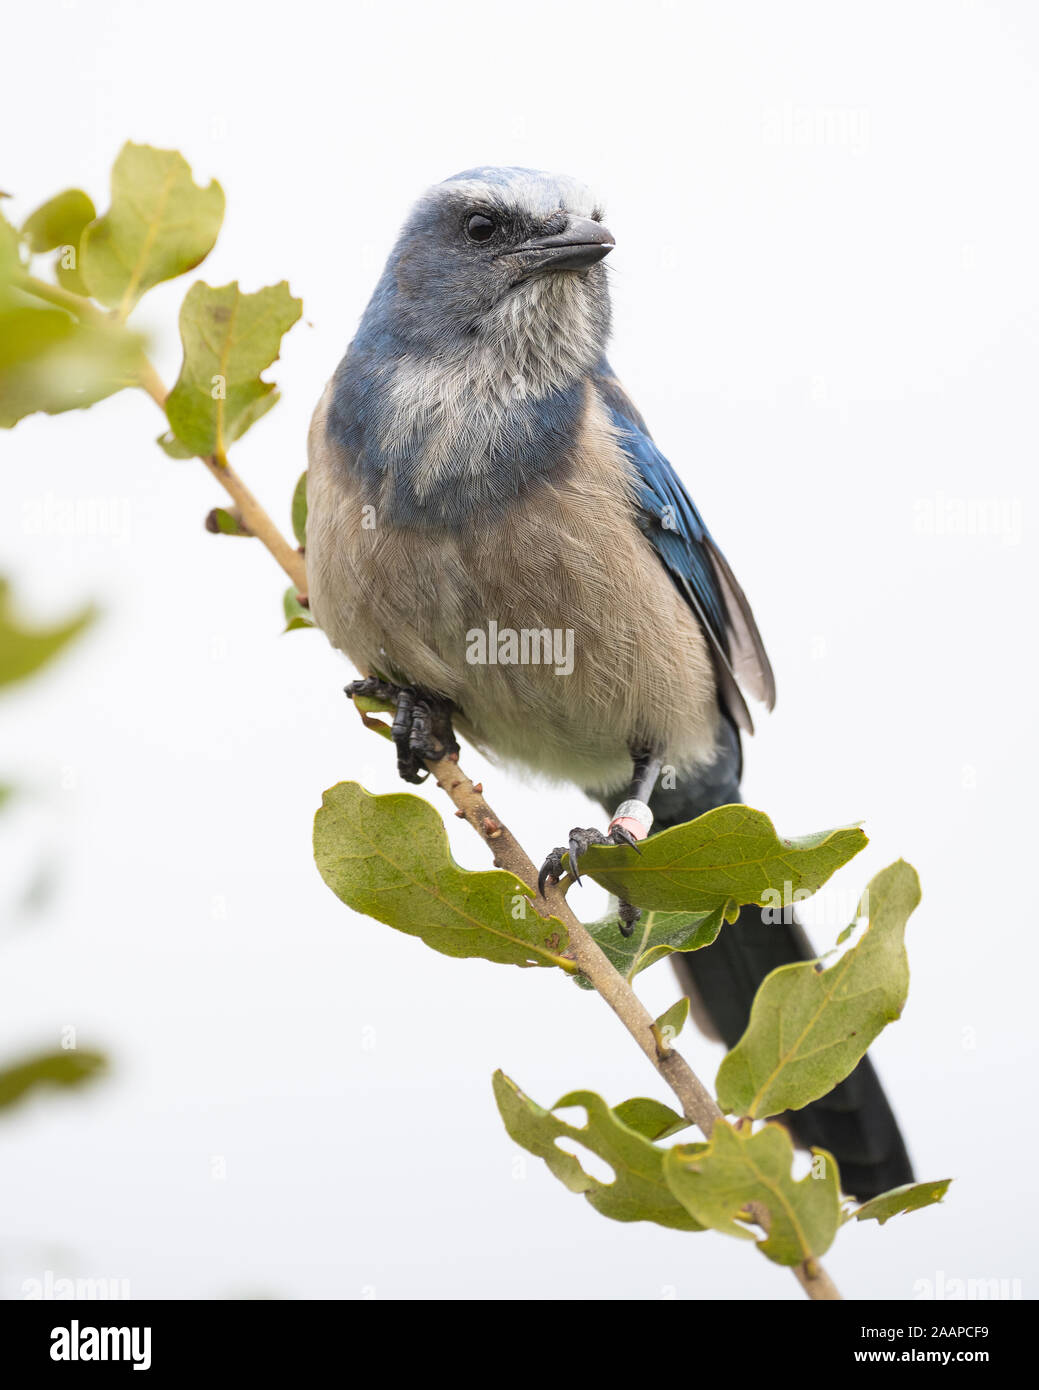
229	338
296	616
650	1118
717	1182
911	1197
299	510
222	522
388	857
160	225
51	363
638	1191
808	1028
171	446
24	650
59	221
726	858
66	269
10	258
28	333
655	937
49	1069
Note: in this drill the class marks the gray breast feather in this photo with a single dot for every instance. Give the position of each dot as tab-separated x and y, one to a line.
625	661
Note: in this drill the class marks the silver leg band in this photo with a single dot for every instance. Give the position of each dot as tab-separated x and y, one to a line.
636	811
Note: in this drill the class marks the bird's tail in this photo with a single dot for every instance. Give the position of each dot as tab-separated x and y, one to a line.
854	1122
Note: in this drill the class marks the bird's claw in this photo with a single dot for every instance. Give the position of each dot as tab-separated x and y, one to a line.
374	689
580	840
421	728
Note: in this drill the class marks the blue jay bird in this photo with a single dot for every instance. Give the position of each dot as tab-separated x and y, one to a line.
478	484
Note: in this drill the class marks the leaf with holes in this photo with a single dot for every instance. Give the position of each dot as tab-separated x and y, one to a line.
716	1184
388	856
638	1191
229	338
808	1028
726	858
160	224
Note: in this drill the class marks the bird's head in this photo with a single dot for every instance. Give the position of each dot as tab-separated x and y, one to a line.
503	258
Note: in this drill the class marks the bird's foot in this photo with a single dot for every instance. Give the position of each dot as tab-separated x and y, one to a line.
631	823
579	841
421	727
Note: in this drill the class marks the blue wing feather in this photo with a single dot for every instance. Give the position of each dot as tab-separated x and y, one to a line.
676	530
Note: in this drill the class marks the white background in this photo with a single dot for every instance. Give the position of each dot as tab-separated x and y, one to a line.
826	306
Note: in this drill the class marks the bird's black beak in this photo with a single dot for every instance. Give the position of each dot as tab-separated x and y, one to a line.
580	245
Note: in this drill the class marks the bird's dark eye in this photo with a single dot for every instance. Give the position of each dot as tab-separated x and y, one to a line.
480	228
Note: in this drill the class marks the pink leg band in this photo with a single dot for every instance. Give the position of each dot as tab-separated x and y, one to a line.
635	817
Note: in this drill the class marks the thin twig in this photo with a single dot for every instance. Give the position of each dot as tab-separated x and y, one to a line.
698	1105
62	298
254	517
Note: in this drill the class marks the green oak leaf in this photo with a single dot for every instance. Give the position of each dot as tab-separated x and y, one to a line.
221	522
717	1183
296	616
638	1191
23	650
366	707
809	1028
299	510
388	857
256	411
160	224
911	1197
49	1069
50	362
656	936
650	1118
726	858
60	223
229	338
174	449
673	1020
